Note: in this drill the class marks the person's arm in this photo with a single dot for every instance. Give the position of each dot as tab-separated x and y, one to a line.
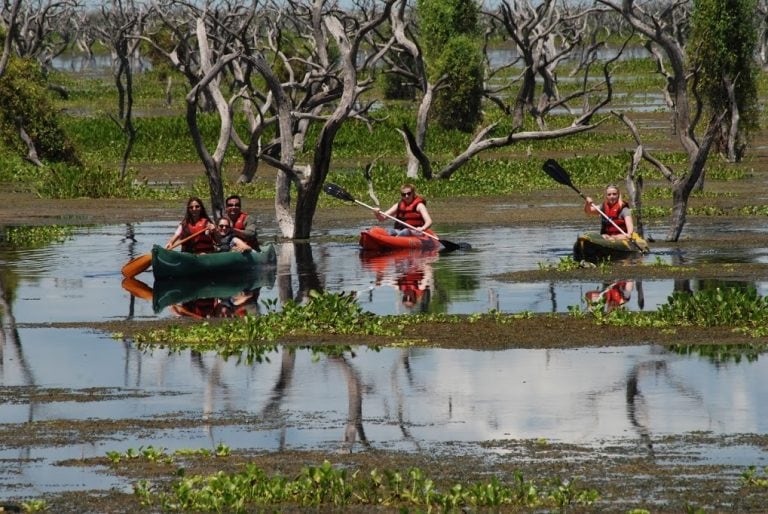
174	238
248	232
381	216
424	214
240	246
629	222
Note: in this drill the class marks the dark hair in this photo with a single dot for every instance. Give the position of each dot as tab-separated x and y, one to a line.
233	197
203	212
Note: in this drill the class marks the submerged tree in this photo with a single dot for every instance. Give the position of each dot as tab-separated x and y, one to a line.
722	47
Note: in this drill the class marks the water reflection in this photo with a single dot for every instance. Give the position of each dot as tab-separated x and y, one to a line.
79	280
610	295
410	273
345	399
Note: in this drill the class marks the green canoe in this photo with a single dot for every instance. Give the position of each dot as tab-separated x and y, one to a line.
171	264
174	291
592	247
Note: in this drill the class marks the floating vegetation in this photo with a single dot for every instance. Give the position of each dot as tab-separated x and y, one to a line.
36	237
316	486
721	353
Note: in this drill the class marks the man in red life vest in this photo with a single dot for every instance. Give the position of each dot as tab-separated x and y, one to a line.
243	224
618	211
411	209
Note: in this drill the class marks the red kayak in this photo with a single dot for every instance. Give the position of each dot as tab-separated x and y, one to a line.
378	239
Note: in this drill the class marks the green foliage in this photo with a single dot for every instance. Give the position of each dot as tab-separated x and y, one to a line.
721	353
36	237
325	313
66	181
326	485
459	106
741	308
566	263
450	38
723	44
24	97
754	478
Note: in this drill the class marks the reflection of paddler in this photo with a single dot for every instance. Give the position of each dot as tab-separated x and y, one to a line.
412	286
613	295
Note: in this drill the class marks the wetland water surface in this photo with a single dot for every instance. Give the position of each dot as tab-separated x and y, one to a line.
58	385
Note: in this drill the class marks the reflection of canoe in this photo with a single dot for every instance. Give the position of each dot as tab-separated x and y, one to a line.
593	247
378	239
167	263
181	290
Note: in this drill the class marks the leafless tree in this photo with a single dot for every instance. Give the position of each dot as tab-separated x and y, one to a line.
120	27
543	35
663	28
9	16
35	25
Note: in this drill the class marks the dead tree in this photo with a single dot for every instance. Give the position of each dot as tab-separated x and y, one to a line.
663	29
120	28
543	36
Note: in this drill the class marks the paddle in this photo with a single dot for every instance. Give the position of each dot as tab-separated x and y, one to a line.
142	262
339	192
558	173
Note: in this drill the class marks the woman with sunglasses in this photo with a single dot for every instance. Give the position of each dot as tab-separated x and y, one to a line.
195	221
411	209
225	239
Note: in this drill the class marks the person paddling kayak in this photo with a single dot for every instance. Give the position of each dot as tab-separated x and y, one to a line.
617	210
411	209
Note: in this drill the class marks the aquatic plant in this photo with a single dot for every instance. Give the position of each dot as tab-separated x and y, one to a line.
721	353
36	237
326	484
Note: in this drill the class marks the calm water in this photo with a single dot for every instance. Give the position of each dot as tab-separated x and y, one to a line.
79	280
414	399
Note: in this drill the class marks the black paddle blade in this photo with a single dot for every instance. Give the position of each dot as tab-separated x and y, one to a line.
557	172
450	246
337	191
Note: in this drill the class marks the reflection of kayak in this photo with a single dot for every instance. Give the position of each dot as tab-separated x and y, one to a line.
381	261
378	239
593	247
167	263
181	290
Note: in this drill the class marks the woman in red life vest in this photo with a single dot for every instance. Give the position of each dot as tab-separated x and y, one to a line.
411	209
195	220
617	210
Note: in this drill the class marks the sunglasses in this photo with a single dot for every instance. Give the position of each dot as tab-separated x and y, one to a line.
223	226
194	207
233	205
409	193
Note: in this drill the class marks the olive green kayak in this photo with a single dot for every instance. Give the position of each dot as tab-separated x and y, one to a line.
172	291
592	247
173	264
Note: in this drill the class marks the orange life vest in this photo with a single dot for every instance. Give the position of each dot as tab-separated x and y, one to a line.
409	214
239	224
613	212
200	244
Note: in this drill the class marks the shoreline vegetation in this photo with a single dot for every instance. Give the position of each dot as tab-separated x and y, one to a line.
524	475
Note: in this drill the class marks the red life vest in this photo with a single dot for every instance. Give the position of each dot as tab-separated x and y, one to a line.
409	214
614	296
239	224
200	244
613	212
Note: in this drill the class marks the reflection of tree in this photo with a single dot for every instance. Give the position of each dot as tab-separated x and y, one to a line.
284	379
637	407
405	364
354	427
306	271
